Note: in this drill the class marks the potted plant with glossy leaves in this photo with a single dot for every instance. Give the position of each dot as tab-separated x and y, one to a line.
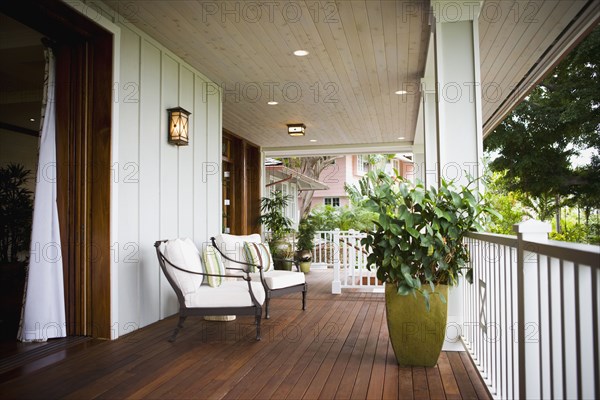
418	248
279	227
305	243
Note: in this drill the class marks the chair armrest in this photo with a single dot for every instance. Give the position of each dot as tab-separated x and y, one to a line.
259	267
245	276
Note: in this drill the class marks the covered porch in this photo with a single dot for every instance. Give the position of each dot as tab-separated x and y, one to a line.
337	348
417	78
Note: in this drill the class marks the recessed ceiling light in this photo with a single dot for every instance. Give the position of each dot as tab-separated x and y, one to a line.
401	92
272	103
301	53
32	119
313	140
401	138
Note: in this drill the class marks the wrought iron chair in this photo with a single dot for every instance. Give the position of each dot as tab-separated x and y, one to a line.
275	282
196	296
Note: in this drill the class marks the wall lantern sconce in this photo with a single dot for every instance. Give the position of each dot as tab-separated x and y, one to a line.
178	126
296	129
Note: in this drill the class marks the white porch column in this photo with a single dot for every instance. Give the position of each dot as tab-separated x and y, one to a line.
418	149
458	83
419	163
429	167
458	101
430	124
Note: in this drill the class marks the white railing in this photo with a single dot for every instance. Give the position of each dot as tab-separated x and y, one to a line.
343	251
531	316
324	248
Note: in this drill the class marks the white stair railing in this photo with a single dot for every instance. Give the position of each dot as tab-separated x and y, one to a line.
343	251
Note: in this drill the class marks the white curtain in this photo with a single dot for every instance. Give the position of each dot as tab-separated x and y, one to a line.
43	315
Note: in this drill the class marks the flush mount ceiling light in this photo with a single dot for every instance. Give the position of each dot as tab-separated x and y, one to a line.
313	140
300	53
401	92
401	138
272	103
296	129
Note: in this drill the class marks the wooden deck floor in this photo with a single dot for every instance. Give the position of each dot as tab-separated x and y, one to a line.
337	348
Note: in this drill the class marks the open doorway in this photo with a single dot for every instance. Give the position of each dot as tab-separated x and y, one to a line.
21	90
83	97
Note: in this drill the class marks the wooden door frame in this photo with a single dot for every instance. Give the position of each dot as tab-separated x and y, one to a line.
244	158
84	59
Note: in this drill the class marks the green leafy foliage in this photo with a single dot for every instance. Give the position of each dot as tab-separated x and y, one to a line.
16	211
274	220
419	232
536	143
578	220
306	234
328	218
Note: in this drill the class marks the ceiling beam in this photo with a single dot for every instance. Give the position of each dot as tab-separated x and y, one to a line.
341	149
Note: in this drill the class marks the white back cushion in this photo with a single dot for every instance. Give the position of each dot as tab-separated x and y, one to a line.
184	254
233	247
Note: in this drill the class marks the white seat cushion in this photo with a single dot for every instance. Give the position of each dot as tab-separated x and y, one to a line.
276	279
229	294
184	254
233	247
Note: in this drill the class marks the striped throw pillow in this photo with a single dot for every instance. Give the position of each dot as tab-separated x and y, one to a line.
258	254
214	265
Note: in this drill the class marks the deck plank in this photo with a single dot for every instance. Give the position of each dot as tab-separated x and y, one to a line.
331	337
363	376
420	386
394	377
323	338
339	347
377	380
447	375
478	385
467	391
434	383
330	386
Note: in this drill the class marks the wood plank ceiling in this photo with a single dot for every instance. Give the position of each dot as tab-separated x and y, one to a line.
360	54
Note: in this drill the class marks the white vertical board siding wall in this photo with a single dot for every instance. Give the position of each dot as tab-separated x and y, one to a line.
171	191
169	173
127	177
148	205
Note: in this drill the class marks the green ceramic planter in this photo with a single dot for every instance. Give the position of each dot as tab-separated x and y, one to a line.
304	266
283	265
417	335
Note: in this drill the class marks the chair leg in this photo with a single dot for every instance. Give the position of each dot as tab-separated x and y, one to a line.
258	318
304	298
177	328
267	301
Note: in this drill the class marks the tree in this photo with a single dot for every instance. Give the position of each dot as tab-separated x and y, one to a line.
587	195
537	141
311	167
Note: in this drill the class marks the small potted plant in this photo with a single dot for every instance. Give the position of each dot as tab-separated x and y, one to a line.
16	210
279	227
305	243
418	249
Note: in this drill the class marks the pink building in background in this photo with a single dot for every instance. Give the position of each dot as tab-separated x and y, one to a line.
349	169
